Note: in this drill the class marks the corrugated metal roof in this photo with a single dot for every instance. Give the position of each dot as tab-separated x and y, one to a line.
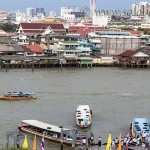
112	33
43	125
4	48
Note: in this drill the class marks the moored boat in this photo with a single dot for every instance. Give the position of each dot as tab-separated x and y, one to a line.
83	116
140	126
50	132
17	96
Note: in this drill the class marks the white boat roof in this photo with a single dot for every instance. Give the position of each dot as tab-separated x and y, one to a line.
82	107
83	111
43	125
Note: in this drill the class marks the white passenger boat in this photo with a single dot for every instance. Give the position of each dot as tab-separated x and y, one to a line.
50	132
83	116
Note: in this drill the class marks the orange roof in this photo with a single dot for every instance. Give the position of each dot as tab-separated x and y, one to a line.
35	48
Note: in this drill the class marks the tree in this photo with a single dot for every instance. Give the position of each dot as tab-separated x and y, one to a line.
8	27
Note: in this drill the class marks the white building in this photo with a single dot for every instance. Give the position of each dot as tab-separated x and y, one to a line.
69	17
52	14
141	9
30	12
101	20
92	7
68	10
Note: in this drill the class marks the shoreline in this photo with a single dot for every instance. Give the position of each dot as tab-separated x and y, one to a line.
34	66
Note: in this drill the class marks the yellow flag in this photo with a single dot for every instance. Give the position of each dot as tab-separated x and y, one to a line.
25	143
34	143
109	142
119	144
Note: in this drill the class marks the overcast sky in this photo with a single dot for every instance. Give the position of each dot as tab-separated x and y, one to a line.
54	5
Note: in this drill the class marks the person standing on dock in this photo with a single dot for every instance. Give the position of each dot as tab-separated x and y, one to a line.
99	141
92	137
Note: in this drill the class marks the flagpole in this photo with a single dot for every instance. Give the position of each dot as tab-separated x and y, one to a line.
62	139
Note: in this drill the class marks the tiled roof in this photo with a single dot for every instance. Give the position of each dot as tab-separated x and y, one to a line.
145	50
25	48
18	48
3	33
128	53
83	31
35	48
132	32
40	27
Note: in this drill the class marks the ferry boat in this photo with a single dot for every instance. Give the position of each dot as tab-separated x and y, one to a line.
139	126
83	116
17	96
50	132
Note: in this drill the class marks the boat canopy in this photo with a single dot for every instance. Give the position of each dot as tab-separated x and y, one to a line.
42	125
83	112
18	93
141	125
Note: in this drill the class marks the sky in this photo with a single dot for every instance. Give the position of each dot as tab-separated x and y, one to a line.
55	5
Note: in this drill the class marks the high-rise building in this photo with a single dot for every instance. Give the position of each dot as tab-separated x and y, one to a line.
141	9
30	12
39	11
92	7
69	13
68	10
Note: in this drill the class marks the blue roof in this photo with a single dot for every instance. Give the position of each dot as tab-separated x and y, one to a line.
141	125
112	33
18	93
87	44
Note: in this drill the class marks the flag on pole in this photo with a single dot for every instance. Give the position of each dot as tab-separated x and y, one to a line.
25	143
42	143
34	143
119	144
109	142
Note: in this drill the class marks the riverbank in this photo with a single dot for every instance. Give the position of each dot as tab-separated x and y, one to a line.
34	66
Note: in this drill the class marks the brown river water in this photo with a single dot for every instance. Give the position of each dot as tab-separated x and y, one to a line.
115	96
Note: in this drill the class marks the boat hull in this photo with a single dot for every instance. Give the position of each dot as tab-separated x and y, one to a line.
16	98
46	137
83	126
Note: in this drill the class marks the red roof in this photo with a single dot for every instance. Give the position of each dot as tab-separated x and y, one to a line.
128	53
133	32
35	48
76	28
83	31
40	27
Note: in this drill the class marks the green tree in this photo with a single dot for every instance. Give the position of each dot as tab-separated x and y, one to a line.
8	27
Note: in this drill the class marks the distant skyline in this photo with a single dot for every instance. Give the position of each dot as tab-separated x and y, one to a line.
54	5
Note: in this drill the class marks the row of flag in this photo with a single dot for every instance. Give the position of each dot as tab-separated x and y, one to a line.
26	146
109	141
108	146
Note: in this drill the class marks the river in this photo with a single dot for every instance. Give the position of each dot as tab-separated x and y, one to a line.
115	96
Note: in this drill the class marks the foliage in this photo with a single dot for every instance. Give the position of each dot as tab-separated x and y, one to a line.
141	29
8	27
